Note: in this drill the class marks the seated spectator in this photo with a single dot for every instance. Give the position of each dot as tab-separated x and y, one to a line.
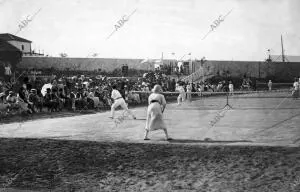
96	101
55	100
51	101
133	97
40	100
34	98
47	99
61	98
12	101
3	105
22	100
80	100
11	98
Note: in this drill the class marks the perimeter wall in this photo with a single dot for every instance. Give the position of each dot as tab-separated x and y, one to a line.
259	69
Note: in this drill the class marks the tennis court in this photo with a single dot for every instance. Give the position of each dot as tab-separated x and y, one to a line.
253	146
256	118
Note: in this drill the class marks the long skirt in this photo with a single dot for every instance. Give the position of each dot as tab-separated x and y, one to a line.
155	118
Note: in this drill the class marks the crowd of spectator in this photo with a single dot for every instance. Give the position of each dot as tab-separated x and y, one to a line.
34	94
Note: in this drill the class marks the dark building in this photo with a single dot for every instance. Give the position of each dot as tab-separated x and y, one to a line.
10	56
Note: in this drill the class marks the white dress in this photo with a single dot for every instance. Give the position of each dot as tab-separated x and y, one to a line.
154	113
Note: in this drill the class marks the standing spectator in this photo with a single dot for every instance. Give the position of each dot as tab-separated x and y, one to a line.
270	85
73	99
230	88
8	72
173	85
219	86
189	92
295	92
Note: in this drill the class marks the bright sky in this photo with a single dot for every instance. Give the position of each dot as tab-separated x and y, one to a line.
81	27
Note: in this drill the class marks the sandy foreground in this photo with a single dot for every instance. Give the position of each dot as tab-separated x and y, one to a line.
252	147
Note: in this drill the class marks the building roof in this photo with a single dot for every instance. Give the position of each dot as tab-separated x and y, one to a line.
288	58
4	46
10	37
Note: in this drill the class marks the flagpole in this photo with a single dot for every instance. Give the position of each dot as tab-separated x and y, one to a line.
162	58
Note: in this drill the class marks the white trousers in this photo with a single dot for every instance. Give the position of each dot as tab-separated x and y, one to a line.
181	98
120	102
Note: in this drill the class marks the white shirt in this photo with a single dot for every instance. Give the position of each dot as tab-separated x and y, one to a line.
189	88
7	71
180	89
270	83
296	85
230	86
159	97
115	94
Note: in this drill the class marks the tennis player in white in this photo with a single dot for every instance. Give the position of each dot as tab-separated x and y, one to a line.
156	107
182	95
118	101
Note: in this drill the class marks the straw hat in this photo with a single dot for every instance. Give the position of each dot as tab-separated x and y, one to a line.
157	89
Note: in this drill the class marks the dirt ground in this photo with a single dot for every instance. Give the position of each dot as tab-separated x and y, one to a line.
60	165
252	147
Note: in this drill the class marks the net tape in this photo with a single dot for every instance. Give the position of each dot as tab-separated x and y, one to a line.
236	94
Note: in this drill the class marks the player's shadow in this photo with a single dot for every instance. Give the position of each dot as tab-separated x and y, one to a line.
207	141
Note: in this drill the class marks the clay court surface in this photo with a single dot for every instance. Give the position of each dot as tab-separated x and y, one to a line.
252	147
251	121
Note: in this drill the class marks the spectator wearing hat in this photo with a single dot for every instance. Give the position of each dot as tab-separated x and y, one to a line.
11	98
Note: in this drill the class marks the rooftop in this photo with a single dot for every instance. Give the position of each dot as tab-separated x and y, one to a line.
10	37
4	46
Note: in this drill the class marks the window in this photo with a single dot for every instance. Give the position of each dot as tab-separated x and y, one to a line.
22	47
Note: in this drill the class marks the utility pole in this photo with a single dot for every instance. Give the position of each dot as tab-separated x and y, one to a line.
282	51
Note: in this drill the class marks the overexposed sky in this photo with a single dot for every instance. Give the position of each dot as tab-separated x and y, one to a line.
81	27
